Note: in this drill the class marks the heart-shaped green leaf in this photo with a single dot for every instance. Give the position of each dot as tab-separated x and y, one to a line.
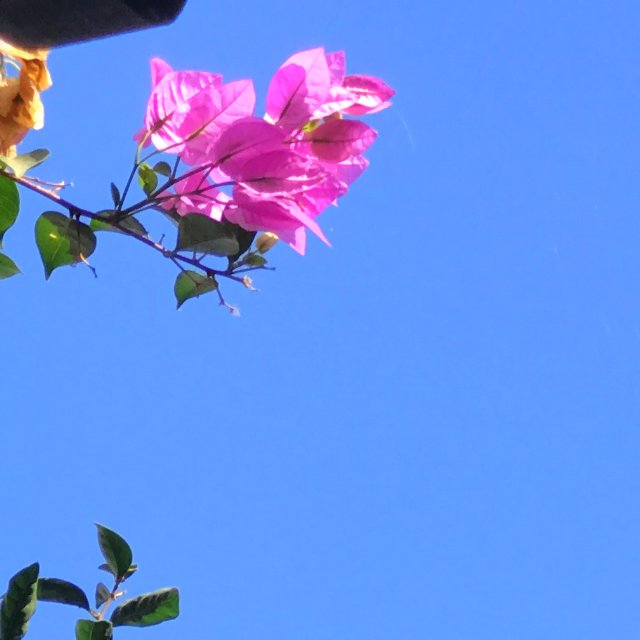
191	284
8	267
62	241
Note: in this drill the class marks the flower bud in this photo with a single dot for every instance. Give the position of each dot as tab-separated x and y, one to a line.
266	241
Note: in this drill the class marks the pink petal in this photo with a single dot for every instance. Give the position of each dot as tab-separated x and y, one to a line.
338	101
159	69
280	171
196	194
237	100
372	94
298	88
242	140
182	100
350	170
318	198
280	215
337	140
337	63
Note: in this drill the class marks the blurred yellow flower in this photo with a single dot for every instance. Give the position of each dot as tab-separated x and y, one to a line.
20	106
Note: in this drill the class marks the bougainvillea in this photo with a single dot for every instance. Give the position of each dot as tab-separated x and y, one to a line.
233	182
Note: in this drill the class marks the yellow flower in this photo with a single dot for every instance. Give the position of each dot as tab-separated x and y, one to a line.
20	105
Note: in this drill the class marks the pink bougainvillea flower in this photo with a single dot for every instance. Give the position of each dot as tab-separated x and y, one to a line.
196	194
298	88
372	94
280	215
338	139
285	168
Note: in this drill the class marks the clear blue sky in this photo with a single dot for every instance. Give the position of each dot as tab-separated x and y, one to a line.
430	430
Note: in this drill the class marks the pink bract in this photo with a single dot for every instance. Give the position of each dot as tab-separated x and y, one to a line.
197	194
280	215
298	88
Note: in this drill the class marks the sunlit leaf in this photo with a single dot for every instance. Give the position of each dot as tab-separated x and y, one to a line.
9	205
256	260
94	630
62	241
191	284
147	178
148	609
8	267
22	163
19	603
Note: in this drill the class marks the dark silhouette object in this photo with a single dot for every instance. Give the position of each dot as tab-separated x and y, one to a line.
34	24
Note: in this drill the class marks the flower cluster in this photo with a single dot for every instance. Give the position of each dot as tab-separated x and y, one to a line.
275	173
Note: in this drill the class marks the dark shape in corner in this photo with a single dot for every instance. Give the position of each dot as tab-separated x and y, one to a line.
35	24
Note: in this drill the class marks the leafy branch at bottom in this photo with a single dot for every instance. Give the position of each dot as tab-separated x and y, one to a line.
26	588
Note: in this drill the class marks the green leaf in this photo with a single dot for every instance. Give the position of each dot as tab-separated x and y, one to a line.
115	195
204	235
9	205
8	267
19	603
94	630
54	590
148	609
256	260
25	161
245	239
147	178
115	551
106	567
191	284
130	223
102	594
163	168
130	571
62	241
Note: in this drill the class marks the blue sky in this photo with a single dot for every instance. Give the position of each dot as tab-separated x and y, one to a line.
428	430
